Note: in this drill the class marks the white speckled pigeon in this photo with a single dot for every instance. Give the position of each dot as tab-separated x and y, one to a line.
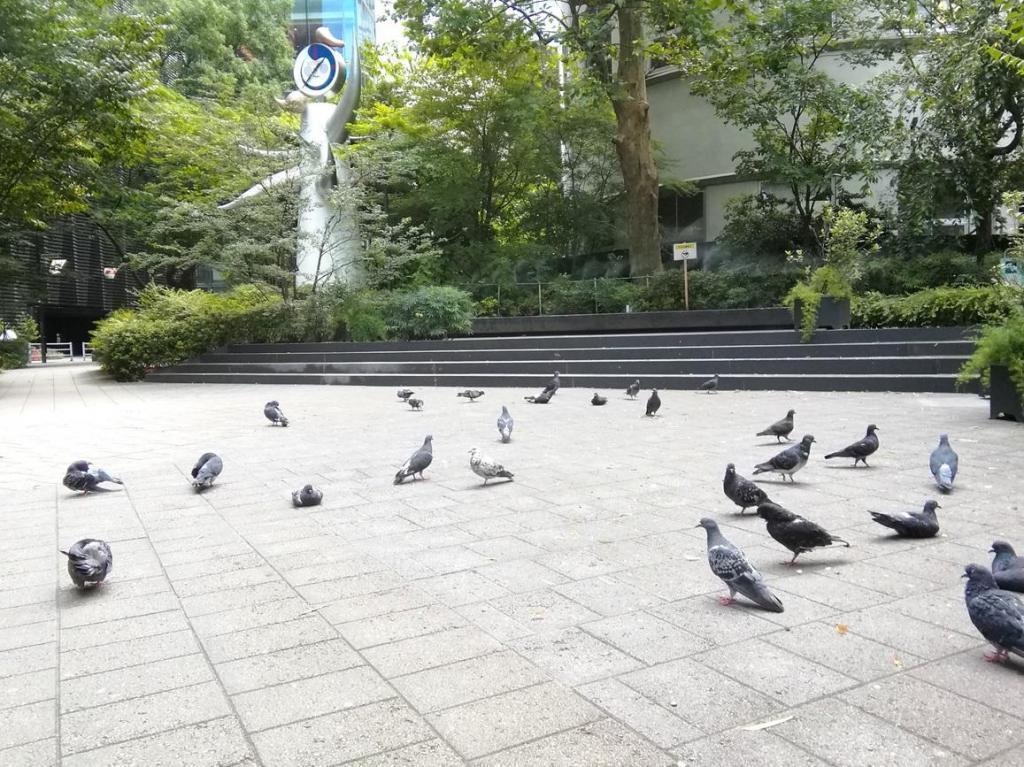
1007	567
860	450
653	403
997	614
710	385
797	534
207	469
505	424
943	464
730	564
272	410
486	467
86	477
89	561
779	429
633	389
418	462
789	461
307	496
911	524
742	491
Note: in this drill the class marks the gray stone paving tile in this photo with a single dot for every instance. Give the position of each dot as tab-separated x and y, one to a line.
133	682
885	625
430	753
420	653
400	625
607	595
251	616
42	753
577	564
655	723
505	548
926	710
493	621
94	610
330	570
519	575
468	680
461	588
744	747
30	687
868	576
131	652
716	623
605	743
352	586
91	635
27	595
233	598
647	637
287	665
305	698
25	659
230	579
264	639
833	592
944	607
968	674
574	657
28	723
26	634
702	696
544	610
342	736
490	725
216	743
366	606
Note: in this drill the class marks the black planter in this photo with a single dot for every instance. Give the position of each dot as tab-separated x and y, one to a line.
1004	399
833	313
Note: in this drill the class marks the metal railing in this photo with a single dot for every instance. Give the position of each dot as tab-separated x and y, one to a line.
65	350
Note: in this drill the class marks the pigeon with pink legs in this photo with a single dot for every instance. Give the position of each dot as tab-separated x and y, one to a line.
731	565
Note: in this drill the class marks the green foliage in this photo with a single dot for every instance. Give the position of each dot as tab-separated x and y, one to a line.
760	229
998	345
897	274
14	353
939	307
430	312
364	316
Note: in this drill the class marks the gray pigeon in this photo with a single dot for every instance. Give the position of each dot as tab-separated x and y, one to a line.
789	461
859	451
404	394
207	469
598	400
414	403
89	561
653	403
711	385
307	496
911	524
779	429
541	399
272	410
471	394
86	477
943	464
553	386
486	467
633	389
505	424
730	564
742	491
418	461
1007	567
797	534
997	614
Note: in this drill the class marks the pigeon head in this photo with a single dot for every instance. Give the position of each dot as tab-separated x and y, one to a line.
273	403
504	410
708	524
790	413
807	440
473	451
730	470
772	512
556	374
872	429
931	506
944	439
654	391
428	439
1002	547
979	578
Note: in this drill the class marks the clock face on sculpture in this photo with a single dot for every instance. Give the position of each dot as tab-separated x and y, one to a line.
317	68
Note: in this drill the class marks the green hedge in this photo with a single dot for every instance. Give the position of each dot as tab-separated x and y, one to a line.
938	307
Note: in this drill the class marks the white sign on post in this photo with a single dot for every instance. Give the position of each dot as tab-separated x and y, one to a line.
684	251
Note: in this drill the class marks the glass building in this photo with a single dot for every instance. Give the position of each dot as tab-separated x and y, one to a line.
343	17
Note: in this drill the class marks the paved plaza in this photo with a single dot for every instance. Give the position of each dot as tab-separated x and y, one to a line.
566	618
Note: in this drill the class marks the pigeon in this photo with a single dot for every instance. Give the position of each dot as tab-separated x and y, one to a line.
797	534
730	564
653	403
415	404
89	561
859	451
789	461
86	477
1007	567
598	400
417	462
779	429
505	424
711	385
541	399
404	394
943	464
307	496
272	410
633	389
486	467
471	394
206	470
742	491
911	524
997	614
553	386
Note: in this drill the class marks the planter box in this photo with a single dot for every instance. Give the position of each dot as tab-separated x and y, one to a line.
833	313
1004	399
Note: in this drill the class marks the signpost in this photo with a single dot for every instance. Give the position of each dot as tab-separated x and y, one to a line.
685	252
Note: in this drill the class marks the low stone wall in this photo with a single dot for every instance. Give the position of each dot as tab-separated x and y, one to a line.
704	319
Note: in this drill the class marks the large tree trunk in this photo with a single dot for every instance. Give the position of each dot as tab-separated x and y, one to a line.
633	143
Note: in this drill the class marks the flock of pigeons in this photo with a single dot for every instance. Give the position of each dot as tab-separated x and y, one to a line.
996	611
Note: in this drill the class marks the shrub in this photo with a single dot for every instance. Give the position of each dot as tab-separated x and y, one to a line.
998	345
14	353
363	314
938	307
432	312
897	275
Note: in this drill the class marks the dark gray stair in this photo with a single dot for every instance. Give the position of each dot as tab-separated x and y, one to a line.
911	359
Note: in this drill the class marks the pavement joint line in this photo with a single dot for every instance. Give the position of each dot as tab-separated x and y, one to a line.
57	638
185	726
141	696
396	749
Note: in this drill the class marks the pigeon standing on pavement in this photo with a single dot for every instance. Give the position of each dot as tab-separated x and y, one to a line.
486	467
859	451
505	424
207	469
85	477
653	403
417	462
89	561
1007	567
742	491
415	404
404	394
272	410
633	389
307	496
797	534
779	429
471	394
598	400
710	385
789	461
943	464
730	564
911	524
997	614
